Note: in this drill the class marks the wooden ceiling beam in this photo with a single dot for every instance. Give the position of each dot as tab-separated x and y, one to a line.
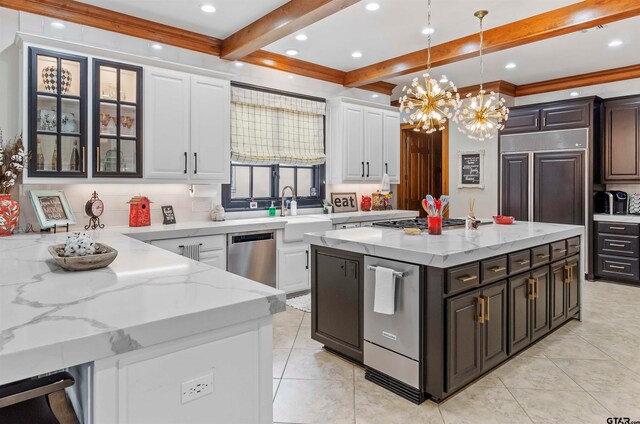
98	17
279	23
576	17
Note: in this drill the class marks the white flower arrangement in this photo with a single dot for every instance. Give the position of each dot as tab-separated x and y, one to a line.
12	161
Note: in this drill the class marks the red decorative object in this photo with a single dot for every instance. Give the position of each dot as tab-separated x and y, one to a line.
365	203
9	213
139	211
505	220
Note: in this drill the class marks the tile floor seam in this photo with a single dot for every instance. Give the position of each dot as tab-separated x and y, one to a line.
585	390
518	402
605	353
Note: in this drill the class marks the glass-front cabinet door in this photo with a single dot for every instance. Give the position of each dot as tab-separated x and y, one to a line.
57	114
117	120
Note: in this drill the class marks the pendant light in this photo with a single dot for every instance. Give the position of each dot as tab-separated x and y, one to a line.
484	114
429	106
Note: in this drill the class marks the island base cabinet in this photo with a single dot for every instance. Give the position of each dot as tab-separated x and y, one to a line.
565	282
476	333
232	369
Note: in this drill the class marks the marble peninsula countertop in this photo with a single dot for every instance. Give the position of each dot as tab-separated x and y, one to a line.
453	247
617	218
52	319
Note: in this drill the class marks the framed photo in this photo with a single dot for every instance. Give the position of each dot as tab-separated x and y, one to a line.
471	169
169	217
52	208
344	202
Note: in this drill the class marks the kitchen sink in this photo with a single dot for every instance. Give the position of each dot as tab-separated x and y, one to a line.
297	226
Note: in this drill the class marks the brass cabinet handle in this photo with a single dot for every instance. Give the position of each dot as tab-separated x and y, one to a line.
486	301
481	315
559	250
544	121
616	228
498	269
532	292
616	267
523	262
536	286
573	246
466	278
567	274
571	272
542	256
617	245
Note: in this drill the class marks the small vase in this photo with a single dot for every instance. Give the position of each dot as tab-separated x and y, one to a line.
9	213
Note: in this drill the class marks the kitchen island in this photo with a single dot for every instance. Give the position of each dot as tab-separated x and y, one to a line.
464	301
140	335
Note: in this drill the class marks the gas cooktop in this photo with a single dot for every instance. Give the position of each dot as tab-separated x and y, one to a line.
420	223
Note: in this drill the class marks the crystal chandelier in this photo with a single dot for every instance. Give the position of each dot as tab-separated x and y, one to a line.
484	114
429	106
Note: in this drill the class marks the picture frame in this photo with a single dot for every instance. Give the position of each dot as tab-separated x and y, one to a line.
52	208
168	215
471	169
344	202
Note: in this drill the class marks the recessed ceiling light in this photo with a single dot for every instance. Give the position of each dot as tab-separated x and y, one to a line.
510	65
301	37
615	43
428	31
290	76
156	47
292	52
238	64
207	8
356	54
372	7
57	25
444	79
574	94
375	96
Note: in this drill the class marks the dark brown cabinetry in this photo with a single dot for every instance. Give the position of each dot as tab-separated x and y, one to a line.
617	254
549	116
558	303
622	140
522	120
558	188
515	185
529	308
337	301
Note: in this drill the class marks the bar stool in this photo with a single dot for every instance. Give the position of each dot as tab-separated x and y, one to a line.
41	400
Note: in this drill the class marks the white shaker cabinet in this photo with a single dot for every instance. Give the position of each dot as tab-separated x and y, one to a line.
293	268
166	124
215	258
373	147
391	135
353	130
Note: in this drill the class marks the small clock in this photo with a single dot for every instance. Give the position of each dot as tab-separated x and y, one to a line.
94	208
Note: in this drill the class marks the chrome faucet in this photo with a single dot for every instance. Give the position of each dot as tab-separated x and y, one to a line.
293	193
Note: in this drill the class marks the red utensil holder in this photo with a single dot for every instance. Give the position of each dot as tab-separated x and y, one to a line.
434	224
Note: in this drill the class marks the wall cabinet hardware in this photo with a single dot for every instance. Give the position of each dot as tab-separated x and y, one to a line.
367	169
307	257
195	163
362	169
185	162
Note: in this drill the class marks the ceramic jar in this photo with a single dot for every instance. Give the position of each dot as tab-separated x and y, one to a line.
217	214
9	213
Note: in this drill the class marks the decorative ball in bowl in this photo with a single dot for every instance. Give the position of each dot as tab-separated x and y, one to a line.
505	220
81	253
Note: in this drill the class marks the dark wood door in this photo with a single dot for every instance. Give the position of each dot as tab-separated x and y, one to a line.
566	116
558	187
337	290
463	340
558	302
522	120
520	290
622	140
421	169
515	186
573	286
494	328
540	303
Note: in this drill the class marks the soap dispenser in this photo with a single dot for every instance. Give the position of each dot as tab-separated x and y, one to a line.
272	209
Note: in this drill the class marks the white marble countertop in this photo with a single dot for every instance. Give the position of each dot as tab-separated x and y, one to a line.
453	247
616	218
360	216
52	319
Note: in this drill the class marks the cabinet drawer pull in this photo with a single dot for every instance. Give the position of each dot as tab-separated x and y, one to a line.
616	267
574	246
542	256
498	269
532	291
617	245
523	262
466	278
560	250
616	228
481	316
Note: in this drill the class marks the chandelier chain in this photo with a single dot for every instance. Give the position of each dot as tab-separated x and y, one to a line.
481	59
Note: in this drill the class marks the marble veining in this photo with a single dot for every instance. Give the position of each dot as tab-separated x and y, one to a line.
52	319
453	247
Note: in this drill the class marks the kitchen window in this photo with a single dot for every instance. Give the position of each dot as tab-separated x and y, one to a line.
277	139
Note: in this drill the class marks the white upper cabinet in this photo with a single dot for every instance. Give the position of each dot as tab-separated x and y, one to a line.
210	130
364	142
187	126
167	124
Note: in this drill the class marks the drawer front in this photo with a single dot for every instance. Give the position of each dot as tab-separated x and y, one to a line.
540	255
558	249
619	228
573	246
609	244
493	269
463	277
207	243
519	261
610	266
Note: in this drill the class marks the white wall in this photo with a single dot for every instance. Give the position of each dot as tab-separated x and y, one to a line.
9	98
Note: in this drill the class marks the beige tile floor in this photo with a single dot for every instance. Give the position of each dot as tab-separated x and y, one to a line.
582	373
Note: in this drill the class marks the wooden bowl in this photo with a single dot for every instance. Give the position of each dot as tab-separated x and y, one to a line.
504	220
102	258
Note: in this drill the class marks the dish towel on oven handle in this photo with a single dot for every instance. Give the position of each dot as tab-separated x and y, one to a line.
385	291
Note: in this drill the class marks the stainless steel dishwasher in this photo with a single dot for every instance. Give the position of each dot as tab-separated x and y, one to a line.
253	255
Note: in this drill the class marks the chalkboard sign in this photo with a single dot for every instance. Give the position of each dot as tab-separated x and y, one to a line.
52	208
471	169
168	215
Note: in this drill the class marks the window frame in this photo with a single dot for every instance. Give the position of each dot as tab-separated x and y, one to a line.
318	171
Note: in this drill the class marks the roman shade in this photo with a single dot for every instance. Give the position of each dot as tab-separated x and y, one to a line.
269	129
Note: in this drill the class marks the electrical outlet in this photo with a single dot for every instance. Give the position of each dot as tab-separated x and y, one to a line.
200	205
197	388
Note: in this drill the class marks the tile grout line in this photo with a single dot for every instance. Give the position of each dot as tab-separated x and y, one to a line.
287	361
516	399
